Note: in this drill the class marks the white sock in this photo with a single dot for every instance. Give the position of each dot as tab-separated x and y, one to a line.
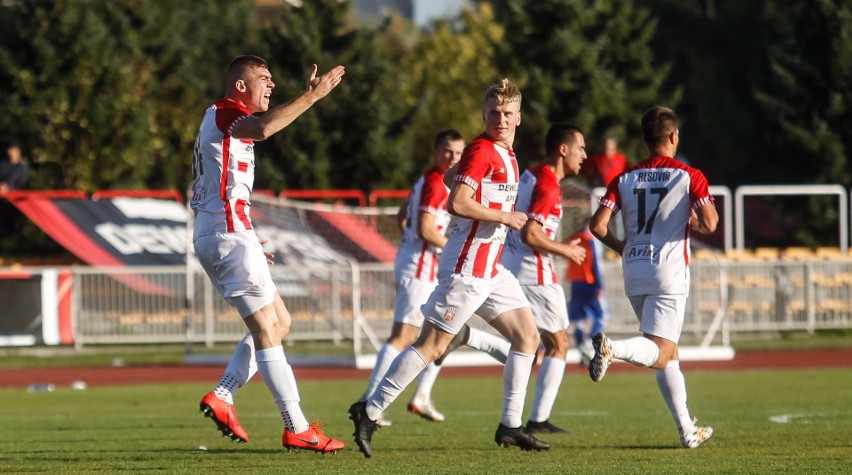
423	393
383	361
547	387
673	388
278	376
516	376
401	373
637	350
497	347
240	370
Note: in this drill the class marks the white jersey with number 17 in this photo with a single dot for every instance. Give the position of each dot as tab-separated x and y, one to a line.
655	198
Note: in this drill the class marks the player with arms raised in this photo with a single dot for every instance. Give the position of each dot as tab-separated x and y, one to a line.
229	251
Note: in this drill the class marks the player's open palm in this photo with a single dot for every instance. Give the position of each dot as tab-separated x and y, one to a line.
324	84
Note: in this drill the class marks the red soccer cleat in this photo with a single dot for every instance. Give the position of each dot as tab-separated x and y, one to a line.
225	417
311	439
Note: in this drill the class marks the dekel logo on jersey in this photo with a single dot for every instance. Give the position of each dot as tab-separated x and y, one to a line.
642	252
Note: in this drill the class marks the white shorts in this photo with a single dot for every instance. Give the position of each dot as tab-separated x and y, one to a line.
237	267
549	307
411	293
458	297
660	315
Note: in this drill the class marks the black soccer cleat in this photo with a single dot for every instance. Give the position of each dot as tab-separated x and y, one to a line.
364	428
457	341
507	437
544	427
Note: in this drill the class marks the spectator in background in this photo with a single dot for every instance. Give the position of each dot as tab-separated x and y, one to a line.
13	176
601	168
13	170
586	309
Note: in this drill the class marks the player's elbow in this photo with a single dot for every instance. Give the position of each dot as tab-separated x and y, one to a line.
262	133
598	229
709	223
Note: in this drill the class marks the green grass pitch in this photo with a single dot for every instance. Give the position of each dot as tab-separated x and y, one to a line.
771	422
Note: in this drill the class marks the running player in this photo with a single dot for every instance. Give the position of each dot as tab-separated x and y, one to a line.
228	248
471	278
661	200
529	255
424	219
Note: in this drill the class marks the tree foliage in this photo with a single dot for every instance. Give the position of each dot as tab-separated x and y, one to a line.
583	61
402	85
106	94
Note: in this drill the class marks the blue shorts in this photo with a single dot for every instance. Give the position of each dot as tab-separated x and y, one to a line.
584	302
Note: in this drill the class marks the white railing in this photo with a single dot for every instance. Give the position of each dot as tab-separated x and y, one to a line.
805	191
339	302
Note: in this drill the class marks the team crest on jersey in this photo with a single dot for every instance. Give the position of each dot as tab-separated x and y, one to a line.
450	314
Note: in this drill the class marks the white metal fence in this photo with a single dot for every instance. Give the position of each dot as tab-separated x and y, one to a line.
160	305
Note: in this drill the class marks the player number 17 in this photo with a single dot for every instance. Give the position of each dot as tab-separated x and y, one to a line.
645	225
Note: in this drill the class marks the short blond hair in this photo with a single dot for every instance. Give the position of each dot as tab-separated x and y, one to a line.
504	92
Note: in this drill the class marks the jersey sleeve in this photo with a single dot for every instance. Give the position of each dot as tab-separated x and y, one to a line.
226	118
473	166
543	201
433	195
612	198
699	190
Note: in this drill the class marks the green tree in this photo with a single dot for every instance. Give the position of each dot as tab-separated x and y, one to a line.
718	55
806	99
439	82
329	146
109	94
583	61
402	85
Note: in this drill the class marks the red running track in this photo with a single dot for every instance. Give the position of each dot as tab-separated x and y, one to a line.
107	376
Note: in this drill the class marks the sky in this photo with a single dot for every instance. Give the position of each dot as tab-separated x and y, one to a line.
427	10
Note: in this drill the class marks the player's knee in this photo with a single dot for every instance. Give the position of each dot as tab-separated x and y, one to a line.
532	339
266	337
666	354
283	329
555	352
399	342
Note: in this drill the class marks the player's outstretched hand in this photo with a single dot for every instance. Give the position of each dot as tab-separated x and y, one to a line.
322	85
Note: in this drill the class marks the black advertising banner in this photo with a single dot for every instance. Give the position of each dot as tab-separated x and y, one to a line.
144	231
120	231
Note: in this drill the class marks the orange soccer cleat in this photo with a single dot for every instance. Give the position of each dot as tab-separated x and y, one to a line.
224	416
311	439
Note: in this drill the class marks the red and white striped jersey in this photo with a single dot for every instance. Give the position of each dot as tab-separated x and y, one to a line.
540	197
474	247
655	198
223	168
416	257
